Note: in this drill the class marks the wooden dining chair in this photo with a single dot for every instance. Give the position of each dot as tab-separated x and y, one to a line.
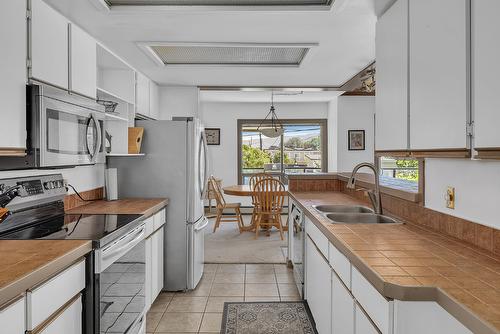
222	205
252	182
270	197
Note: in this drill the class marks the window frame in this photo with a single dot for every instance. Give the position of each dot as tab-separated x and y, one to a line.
322	122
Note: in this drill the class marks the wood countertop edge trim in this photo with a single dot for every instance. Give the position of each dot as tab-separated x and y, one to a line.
405	293
84	209
43	273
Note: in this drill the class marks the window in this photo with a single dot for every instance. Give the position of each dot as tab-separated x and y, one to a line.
301	149
401	173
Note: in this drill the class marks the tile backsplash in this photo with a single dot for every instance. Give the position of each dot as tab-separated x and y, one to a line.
484	237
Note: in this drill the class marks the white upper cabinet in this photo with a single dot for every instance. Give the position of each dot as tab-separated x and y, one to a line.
438	74
142	94
485	73
154	100
392	79
49	45
83	63
13	77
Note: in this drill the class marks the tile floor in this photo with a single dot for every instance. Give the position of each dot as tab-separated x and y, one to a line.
200	311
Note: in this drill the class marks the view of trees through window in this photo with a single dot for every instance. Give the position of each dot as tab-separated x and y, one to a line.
298	150
405	169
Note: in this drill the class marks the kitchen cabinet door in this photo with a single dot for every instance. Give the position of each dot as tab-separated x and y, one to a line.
318	287
12	317
391	101
13	77
83	62
342	307
142	94
49	45
154	100
438	74
485	53
149	271
363	324
157	260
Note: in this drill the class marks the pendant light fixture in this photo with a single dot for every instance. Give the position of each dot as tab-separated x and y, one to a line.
276	128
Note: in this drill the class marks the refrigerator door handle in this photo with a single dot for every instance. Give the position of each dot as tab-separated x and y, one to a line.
199	228
203	180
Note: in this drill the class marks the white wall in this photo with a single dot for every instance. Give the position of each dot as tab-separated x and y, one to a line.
224	115
82	178
477	188
178	101
332	135
354	113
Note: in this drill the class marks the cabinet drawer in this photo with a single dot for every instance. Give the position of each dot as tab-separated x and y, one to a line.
12	317
69	320
318	237
159	219
47	298
149	226
378	308
341	264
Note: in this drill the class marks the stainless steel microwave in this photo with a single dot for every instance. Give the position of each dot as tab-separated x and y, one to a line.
64	130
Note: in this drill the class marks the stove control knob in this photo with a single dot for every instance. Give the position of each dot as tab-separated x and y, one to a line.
48	185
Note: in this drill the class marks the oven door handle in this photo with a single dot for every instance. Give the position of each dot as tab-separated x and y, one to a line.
97	144
123	245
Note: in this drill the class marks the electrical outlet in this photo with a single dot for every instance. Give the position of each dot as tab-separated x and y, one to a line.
450	198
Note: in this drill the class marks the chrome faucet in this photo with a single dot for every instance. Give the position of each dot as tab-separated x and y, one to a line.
373	194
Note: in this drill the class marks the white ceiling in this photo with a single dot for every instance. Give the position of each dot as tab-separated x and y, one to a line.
265	96
346	37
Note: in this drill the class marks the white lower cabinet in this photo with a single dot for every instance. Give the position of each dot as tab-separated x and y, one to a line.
157	260
342	307
363	324
376	306
69	320
12	317
154	256
318	287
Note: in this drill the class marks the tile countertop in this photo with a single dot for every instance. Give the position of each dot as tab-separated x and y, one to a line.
406	262
26	263
143	206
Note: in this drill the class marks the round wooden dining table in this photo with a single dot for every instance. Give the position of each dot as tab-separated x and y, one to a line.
246	190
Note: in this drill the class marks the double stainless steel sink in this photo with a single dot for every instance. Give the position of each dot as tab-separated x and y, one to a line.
352	214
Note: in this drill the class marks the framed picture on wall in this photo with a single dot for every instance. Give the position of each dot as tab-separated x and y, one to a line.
356	140
213	136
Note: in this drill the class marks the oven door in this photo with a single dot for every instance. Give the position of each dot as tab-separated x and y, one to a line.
70	135
121	276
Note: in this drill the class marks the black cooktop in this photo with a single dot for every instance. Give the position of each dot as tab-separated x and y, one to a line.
53	224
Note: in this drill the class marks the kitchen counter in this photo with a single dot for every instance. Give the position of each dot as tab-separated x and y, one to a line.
406	262
143	206
26	263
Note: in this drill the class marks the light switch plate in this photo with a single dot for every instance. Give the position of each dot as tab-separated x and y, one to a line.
450	198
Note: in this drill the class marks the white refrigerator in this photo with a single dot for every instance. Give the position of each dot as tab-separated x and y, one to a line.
174	166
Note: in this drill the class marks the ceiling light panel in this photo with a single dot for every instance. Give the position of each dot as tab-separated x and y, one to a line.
230	55
219	2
